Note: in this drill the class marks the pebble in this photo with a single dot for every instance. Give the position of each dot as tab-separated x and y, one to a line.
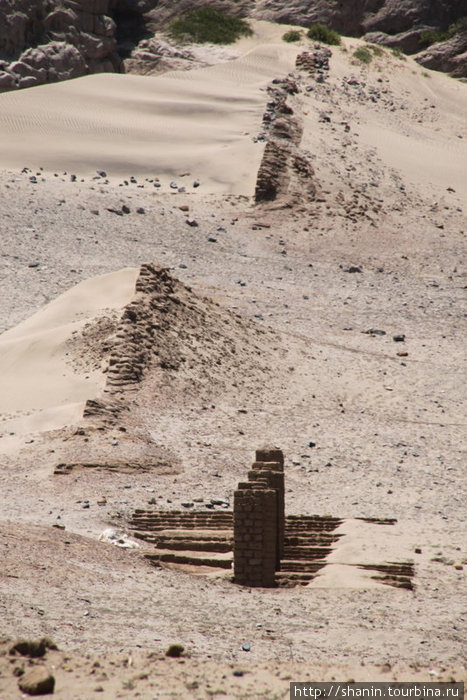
196	183
141	210
175	650
246	646
174	185
192	222
400	338
101	173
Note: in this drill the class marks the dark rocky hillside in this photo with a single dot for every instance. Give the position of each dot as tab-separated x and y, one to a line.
51	40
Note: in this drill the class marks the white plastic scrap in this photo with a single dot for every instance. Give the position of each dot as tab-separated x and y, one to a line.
118	538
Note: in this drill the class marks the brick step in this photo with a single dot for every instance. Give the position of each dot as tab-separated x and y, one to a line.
399	568
192	543
148	529
158	521
312	526
306	553
308	567
169	557
316	539
184	514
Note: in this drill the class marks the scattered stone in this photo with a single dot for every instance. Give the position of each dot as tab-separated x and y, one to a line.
34	648
37	681
184	207
173	186
175	651
73	178
246	646
33	264
196	183
188	504
101	173
141	210
101	501
192	222
219	502
400	338
374	331
237	672
95	212
418	550
126	209
212	239
353	268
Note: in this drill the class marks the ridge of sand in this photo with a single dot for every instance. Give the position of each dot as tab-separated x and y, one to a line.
39	383
202	120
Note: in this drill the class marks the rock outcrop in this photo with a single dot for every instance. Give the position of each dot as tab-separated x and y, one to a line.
448	56
44	41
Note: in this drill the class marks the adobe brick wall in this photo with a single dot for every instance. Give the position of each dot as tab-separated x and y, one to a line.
255	535
259	521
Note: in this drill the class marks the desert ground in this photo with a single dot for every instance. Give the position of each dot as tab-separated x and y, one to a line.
329	322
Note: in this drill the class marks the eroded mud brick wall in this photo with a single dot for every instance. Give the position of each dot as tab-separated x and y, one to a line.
255	534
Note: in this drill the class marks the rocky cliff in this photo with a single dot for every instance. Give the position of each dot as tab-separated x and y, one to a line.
45	41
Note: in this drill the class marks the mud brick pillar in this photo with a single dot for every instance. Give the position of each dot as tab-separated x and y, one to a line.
271	459
255	534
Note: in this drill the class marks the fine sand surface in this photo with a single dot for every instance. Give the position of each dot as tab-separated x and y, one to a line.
333	328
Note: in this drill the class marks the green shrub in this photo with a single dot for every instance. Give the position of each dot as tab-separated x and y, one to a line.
363	55
377	50
292	35
428	38
397	53
319	32
208	25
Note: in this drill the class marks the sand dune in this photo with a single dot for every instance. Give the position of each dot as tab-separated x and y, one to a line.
201	120
41	388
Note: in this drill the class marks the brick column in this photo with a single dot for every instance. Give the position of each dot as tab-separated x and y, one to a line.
271	459
255	534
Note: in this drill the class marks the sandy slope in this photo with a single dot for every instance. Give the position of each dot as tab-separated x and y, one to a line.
201	120
40	383
387	418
